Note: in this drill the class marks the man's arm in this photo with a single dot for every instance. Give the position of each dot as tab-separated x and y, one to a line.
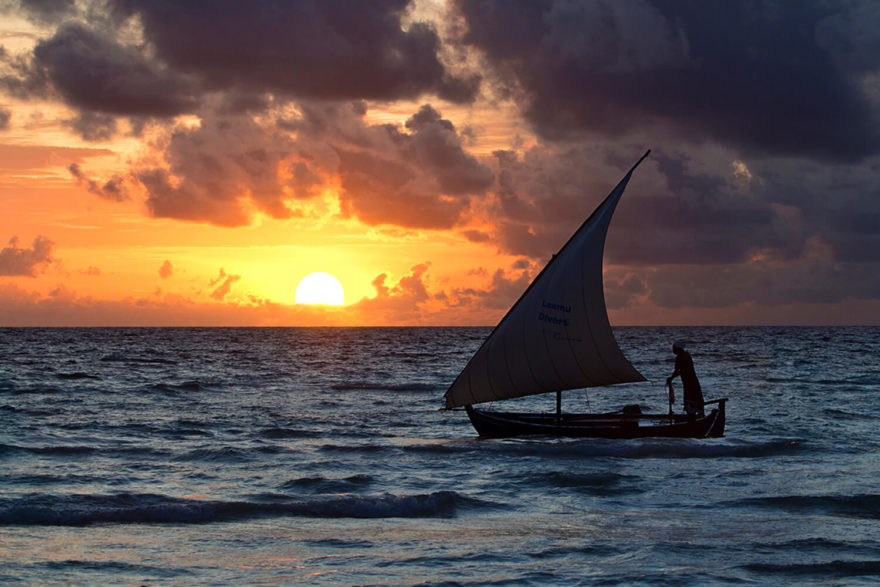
675	373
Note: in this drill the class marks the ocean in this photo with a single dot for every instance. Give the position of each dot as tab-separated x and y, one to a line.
176	456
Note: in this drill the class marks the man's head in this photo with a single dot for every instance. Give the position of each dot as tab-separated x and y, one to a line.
677	347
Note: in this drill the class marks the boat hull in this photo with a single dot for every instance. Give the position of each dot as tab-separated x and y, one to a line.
491	424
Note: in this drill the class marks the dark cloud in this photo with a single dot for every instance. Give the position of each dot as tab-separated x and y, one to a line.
166	270
113	189
768	77
504	290
840	204
679	208
850	37
93	126
544	194
5	115
695	230
434	144
695	215
18	261
329	50
816	278
47	11
622	288
93	71
337	49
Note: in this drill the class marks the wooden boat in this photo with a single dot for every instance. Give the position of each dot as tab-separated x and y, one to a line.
557	337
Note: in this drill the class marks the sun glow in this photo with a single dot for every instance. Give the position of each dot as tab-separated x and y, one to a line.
320	288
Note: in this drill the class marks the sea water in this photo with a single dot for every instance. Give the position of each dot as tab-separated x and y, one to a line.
321	456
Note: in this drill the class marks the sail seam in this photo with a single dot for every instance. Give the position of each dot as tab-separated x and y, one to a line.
559	381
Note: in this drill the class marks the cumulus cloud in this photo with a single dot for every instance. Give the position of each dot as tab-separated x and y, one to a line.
213	172
415	298
166	270
498	295
416	176
422	178
18	261
399	303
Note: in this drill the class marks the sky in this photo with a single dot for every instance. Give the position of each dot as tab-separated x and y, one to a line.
188	163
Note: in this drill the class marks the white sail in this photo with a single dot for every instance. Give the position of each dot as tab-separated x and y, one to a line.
557	335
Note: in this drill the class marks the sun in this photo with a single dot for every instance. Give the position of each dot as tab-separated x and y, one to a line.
320	288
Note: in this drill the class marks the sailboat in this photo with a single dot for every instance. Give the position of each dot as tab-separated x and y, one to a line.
557	337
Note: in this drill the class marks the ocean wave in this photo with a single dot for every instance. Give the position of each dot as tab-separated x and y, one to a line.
339	543
36	390
36	479
820	547
226	454
367	448
633	449
76	375
836	568
279	432
132	508
123	358
319	484
63	450
855	381
595	483
178	387
115	567
59	450
857	506
382	386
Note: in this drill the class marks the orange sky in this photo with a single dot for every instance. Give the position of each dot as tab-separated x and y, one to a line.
105	256
432	206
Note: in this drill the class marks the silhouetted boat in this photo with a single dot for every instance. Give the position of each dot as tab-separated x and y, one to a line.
557	337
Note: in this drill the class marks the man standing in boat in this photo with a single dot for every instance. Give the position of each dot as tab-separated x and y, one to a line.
684	366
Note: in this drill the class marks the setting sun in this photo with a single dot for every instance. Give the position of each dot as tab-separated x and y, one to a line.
320	288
